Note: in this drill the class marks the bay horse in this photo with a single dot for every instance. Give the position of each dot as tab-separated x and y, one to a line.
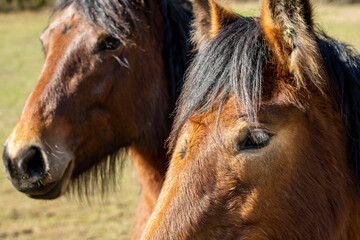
267	133
112	73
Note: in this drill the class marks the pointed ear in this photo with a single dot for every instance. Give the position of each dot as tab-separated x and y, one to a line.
209	18
288	28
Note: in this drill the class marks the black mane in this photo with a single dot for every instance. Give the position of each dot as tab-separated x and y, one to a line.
343	66
177	16
116	17
233	63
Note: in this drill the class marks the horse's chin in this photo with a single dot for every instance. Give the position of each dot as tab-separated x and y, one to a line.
55	189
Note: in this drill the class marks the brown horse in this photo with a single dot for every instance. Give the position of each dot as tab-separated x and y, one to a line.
267	133
109	83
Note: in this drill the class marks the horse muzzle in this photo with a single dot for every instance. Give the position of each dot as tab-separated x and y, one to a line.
37	171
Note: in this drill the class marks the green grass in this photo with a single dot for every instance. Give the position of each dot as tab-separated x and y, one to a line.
341	22
20	64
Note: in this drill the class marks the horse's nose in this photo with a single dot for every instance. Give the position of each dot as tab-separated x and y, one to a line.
29	165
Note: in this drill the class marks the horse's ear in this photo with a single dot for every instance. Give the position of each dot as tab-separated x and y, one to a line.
288	28
209	18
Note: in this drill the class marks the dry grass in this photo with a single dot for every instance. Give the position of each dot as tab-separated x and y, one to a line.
111	218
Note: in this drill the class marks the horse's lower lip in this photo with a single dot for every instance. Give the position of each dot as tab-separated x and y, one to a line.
56	190
53	193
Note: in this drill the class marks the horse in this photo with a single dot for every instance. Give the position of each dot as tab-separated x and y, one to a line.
112	73
265	143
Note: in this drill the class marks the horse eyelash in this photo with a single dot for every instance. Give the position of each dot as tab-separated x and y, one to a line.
43	49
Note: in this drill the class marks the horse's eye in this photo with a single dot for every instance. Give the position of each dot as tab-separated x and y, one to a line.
255	139
110	44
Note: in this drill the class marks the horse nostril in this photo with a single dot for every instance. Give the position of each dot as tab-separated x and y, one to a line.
7	160
32	163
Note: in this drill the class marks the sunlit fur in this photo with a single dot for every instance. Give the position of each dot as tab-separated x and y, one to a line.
303	183
91	105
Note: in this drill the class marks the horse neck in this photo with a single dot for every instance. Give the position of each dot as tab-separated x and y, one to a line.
352	229
149	153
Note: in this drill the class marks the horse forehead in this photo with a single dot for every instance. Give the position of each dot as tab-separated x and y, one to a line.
68	19
274	111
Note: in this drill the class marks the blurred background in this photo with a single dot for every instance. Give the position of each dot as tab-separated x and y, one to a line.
11	5
108	217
